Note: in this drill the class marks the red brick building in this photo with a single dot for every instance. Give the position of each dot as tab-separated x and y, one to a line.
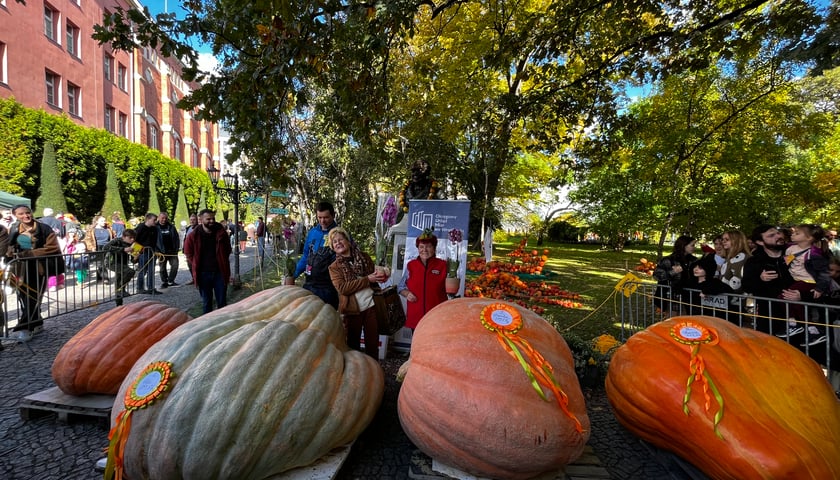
49	60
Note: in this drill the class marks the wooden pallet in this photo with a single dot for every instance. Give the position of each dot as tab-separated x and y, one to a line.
587	467
54	401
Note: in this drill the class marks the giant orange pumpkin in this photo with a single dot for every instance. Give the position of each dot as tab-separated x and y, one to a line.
468	402
98	357
755	407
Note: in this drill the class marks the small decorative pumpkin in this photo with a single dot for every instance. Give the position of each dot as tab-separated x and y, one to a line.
478	397
98	357
736	403
249	391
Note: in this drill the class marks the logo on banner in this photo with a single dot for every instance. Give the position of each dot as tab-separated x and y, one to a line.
422	220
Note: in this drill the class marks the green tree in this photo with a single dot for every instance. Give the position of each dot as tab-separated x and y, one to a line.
113	201
154	205
182	211
202	201
50	190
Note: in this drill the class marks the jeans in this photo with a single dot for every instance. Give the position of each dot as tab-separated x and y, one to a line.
210	284
261	247
146	270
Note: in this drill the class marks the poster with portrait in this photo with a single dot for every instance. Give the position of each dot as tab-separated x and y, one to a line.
449	220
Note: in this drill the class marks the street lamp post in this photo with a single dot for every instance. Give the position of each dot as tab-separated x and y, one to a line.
234	195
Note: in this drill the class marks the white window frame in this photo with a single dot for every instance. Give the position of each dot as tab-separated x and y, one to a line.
108	67
73	36
123	125
122	76
4	66
52	82
74	99
109	118
51	23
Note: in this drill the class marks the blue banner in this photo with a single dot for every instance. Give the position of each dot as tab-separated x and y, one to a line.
442	217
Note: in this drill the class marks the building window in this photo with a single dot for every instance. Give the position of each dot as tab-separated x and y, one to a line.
195	158
74	99
108	67
153	137
3	68
53	83
50	23
122	76
123	125
73	35
109	118
177	150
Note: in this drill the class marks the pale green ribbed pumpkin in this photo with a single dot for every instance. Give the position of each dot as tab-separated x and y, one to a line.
259	387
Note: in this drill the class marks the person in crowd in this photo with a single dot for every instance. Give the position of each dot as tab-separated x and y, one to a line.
170	243
208	250
241	236
720	255
708	293
49	219
672	274
30	239
75	258
315	261
833	242
147	235
251	231
259	232
737	252
121	254
6	219
100	234
354	277
765	275
423	283
192	226
807	260
117	225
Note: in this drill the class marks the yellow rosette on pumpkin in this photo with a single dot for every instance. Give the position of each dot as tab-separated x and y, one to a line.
147	387
693	335
506	322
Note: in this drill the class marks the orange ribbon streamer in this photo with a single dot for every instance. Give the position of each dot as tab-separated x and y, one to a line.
693	335
505	321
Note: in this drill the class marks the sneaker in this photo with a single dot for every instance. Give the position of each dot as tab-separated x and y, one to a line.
173	284
37	329
164	285
815	341
153	292
791	331
22	335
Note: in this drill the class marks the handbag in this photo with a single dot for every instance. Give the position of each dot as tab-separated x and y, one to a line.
364	298
389	311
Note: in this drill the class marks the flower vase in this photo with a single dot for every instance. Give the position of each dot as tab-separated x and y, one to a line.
453	284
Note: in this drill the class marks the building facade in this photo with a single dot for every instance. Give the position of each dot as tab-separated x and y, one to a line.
49	60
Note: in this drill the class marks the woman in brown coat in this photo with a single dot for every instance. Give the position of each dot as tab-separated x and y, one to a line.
354	276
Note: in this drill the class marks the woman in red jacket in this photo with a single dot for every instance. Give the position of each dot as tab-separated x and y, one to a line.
424	282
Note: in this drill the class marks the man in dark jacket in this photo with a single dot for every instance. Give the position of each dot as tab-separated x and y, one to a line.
170	243
208	250
148	237
766	275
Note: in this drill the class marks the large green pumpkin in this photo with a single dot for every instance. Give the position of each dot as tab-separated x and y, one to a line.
259	387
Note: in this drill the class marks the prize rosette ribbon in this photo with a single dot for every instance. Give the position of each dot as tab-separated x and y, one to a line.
506	322
147	387
693	335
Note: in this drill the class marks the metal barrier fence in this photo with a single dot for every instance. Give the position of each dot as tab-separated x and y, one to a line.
650	303
35	288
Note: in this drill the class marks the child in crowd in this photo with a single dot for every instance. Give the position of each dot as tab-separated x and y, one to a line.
807	260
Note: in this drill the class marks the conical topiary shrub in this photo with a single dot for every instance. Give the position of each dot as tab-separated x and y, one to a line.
113	200
50	191
154	205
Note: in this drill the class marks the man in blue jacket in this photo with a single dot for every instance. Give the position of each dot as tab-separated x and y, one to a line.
317	256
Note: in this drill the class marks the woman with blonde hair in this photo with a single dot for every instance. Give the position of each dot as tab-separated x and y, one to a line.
737	252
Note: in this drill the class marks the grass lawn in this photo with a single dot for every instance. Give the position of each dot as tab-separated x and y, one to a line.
589	271
579	268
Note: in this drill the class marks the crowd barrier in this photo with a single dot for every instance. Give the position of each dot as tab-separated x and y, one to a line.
646	304
52	285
